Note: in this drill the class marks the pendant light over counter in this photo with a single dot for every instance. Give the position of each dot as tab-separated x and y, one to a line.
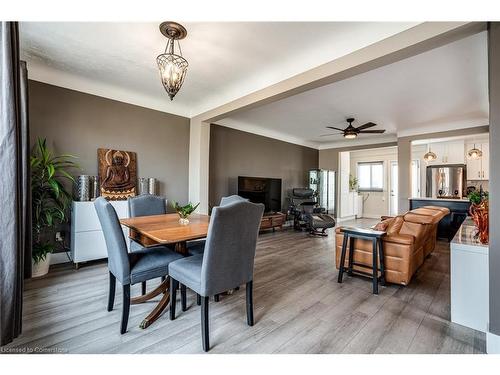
474	153
429	155
172	66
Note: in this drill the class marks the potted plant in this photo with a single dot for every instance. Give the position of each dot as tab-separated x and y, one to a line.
184	212
50	201
353	183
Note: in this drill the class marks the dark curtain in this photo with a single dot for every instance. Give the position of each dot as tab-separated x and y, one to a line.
15	192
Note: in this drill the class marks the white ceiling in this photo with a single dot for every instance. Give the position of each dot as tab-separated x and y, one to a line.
226	60
442	89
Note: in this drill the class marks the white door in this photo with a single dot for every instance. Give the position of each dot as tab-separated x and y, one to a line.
393	192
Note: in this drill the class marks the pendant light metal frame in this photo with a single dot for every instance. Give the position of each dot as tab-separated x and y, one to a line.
169	60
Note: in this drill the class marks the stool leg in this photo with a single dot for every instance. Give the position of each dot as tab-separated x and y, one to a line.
342	257
351	255
381	257
375	266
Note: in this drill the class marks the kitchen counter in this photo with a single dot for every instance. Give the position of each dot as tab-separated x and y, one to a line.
469	279
465	238
440	199
450	224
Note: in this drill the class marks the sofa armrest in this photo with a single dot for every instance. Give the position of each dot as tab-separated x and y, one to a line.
404	239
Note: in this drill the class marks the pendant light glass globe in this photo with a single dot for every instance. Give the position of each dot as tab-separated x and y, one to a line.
430	156
474	153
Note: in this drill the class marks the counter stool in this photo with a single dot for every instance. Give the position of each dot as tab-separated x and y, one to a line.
378	250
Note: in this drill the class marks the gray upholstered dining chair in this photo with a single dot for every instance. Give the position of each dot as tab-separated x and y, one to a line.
227	262
198	247
128	268
145	205
231	199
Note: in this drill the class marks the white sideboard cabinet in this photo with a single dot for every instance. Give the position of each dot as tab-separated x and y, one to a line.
87	238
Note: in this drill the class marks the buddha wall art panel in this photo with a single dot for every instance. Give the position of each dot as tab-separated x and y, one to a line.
117	173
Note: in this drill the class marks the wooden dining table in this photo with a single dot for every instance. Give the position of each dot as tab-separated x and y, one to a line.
164	230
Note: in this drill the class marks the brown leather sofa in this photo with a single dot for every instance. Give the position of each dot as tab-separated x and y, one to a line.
409	239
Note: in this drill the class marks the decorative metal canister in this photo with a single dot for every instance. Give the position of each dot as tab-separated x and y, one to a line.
152	186
143	185
94	180
84	188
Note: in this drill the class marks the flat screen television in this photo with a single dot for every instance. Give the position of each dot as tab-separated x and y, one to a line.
261	190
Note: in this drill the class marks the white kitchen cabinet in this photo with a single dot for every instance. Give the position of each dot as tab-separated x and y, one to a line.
485	161
87	238
448	152
454	152
478	169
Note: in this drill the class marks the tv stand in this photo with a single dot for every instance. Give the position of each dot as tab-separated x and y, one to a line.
272	220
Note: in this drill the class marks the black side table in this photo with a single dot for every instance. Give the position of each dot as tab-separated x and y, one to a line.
365	234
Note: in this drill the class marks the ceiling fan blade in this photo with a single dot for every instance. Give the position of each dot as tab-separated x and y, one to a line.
373	131
334	128
328	135
366	126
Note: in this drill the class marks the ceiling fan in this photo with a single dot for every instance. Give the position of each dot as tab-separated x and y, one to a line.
352	132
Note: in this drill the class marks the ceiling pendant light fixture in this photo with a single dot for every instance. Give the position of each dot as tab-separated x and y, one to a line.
429	156
474	153
172	67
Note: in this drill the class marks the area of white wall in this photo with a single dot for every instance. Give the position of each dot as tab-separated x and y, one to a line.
375	204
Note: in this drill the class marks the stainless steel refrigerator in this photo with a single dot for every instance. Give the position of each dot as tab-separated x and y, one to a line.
323	183
446	181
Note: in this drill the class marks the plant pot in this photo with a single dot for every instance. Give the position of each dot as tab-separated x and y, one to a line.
184	221
41	268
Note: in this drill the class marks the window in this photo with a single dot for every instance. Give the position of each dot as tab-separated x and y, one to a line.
371	176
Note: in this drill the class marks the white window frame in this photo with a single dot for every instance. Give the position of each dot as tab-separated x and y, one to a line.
371	164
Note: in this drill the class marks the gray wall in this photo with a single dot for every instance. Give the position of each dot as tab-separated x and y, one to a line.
236	153
494	251
79	124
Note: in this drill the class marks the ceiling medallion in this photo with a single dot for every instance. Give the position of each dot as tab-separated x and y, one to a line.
474	153
172	66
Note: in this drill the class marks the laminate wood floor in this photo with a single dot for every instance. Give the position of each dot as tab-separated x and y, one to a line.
299	308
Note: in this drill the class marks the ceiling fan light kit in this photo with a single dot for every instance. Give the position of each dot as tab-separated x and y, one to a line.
172	66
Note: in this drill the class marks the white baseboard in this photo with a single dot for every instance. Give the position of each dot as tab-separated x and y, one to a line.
371	216
58	258
347	218
492	343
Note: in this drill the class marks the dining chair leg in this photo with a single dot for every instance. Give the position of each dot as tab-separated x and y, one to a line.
183	297
217	298
204	324
112	288
198	299
125	308
174	284
249	290
143	288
